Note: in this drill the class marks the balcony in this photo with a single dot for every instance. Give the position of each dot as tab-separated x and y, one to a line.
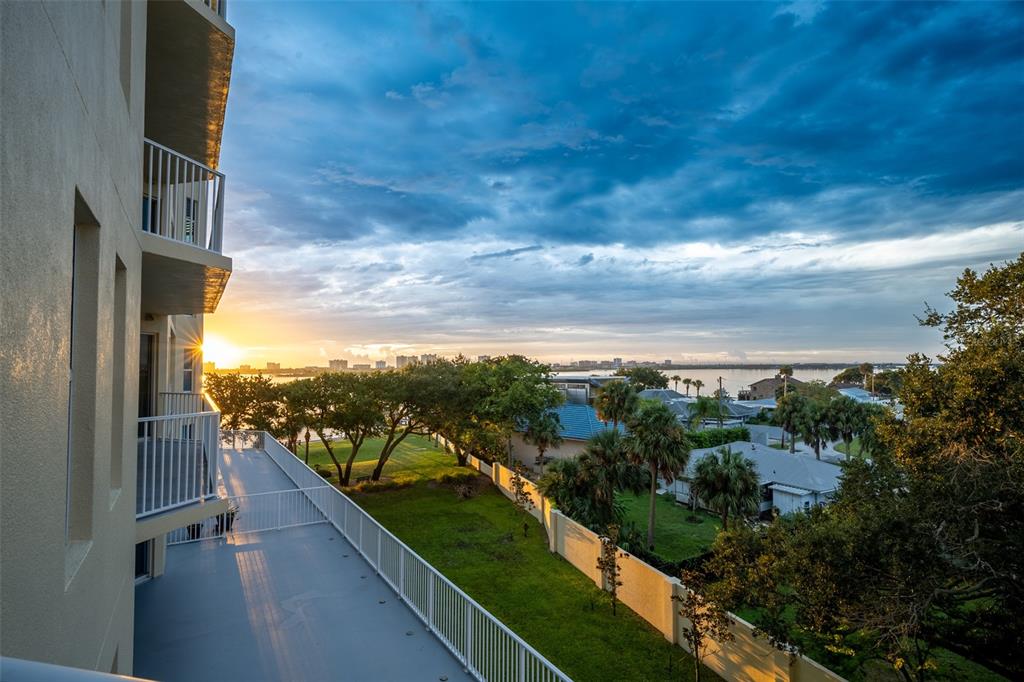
177	455
250	598
189	49
182	234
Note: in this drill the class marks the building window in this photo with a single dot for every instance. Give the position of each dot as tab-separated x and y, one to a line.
188	370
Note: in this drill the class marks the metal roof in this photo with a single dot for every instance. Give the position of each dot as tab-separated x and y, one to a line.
779	467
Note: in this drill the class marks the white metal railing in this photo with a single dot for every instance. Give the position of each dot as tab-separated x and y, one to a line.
182	403
177	460
487	648
182	199
259	512
218	6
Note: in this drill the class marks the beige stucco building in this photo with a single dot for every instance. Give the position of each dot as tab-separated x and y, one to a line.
111	210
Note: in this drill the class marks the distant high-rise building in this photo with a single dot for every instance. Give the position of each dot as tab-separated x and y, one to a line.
668	361
245	368
483	358
338	365
428	358
273	366
403	360
381	364
364	366
209	366
617	362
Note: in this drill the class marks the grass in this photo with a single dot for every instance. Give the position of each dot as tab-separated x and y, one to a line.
855	449
675	537
415	459
479	545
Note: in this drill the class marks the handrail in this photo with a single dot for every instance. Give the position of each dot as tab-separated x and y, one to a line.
165	417
529	665
182	199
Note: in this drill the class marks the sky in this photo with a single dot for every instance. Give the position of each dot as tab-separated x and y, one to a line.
703	182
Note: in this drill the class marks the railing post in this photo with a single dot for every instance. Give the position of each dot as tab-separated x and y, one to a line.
279	497
360	546
430	600
401	572
380	537
522	662
469	636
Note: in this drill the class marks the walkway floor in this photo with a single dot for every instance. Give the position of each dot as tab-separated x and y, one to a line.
294	604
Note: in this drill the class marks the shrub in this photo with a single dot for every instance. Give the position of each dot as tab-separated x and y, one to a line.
712	438
457	477
379	486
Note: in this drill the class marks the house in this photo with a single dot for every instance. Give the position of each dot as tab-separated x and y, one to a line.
735	412
581	388
767	388
132	535
789	482
578	424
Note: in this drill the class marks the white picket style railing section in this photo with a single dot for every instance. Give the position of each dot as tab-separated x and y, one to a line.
488	649
259	512
182	199
177	460
182	403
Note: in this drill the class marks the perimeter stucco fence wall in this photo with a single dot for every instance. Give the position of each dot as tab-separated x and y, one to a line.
648	592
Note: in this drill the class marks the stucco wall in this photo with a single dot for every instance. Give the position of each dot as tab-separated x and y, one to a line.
527	453
67	125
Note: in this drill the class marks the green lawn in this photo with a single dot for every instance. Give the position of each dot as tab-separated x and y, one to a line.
416	458
675	538
479	545
854	447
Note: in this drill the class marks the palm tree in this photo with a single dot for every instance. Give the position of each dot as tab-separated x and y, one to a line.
727	482
703	408
657	442
698	384
788	415
813	424
544	433
845	418
616	402
675	381
786	371
867	370
687	382
607	470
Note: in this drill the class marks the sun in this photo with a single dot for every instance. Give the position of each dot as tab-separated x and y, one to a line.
221	351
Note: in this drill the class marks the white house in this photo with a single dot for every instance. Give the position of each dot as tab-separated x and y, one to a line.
789	482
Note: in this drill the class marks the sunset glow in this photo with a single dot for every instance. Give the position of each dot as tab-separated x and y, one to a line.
219	350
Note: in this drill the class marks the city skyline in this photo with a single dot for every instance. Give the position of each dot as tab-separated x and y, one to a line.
793	184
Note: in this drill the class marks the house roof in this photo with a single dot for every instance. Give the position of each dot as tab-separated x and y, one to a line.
579	422
776	379
779	467
680	404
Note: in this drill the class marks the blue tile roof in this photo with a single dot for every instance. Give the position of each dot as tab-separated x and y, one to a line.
580	422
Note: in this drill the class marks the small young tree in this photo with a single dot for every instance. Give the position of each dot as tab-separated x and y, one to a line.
705	619
521	496
608	564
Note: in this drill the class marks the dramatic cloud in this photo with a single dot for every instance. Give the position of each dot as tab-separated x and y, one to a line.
645	180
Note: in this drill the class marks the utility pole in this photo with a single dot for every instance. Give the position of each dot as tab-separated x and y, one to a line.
720	394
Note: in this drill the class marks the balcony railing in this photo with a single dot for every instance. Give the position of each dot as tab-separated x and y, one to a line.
182	199
177	457
218	6
184	403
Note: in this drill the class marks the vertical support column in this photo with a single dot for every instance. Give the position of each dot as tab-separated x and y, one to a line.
430	600
522	662
469	636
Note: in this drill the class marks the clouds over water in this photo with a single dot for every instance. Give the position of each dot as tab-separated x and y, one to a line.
584	171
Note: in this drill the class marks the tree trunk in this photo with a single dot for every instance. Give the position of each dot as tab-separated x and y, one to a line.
696	667
792	443
386	452
460	456
725	519
349	462
307	448
330	451
650	513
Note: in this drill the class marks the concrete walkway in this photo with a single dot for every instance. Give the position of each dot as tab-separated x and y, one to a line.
293	604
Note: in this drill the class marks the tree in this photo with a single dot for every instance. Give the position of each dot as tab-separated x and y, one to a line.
585	487
230	392
657	442
727	482
706	620
923	545
704	408
405	398
644	377
292	413
356	413
544	433
616	402
813	424
786	372
845	418
687	382
608	564
521	498
324	390
675	382
517	391
867	370
698	384
788	414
